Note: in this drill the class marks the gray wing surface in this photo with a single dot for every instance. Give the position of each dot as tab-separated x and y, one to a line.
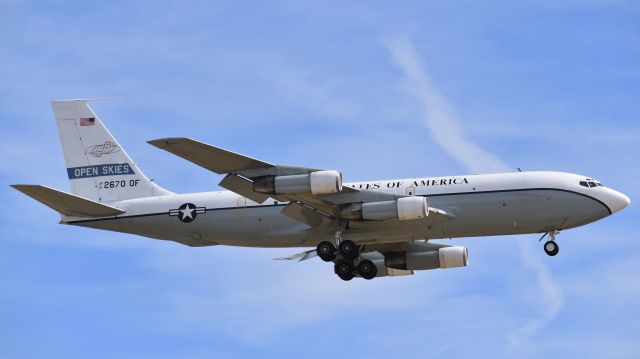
315	210
210	157
67	203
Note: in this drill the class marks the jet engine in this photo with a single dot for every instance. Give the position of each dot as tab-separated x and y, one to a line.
319	182
445	257
403	209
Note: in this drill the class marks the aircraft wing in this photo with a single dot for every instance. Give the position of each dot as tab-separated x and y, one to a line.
222	161
243	173
210	157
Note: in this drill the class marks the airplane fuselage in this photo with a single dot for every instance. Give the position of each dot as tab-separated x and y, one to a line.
475	205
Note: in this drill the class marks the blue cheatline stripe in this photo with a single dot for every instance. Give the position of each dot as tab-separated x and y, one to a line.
114	169
284	204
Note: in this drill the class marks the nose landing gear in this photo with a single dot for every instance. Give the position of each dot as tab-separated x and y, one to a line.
550	246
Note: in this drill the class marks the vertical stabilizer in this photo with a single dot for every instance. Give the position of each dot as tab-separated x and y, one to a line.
98	167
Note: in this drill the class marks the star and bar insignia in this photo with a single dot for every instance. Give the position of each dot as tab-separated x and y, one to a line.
187	212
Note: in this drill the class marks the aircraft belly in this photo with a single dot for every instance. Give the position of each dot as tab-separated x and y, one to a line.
250	227
261	227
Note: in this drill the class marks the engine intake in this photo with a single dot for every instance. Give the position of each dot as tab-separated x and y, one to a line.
445	257
403	209
319	182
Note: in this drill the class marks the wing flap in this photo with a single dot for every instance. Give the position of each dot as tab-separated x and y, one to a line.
66	203
243	187
300	256
306	215
312	209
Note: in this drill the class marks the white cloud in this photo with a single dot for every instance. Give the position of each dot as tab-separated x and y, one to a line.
440	119
552	295
256	306
439	115
317	93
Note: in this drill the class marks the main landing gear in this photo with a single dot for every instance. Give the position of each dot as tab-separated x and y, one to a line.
326	251
346	270
346	258
550	246
346	249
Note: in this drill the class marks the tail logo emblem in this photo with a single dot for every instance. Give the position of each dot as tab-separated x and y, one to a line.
187	212
103	149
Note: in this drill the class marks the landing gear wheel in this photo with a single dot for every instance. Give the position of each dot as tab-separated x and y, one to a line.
348	250
551	248
344	270
326	251
367	269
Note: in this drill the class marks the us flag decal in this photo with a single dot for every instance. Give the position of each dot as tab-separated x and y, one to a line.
87	121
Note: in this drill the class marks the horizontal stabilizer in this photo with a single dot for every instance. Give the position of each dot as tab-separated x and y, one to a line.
66	203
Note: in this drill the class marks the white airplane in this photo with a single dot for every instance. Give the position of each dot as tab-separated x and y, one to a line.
368	229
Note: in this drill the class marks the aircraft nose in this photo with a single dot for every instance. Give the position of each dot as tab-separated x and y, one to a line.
618	201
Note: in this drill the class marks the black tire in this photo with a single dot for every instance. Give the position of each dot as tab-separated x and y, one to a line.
326	251
367	269
348	250
344	270
551	248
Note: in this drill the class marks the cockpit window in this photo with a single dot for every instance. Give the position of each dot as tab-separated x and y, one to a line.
590	183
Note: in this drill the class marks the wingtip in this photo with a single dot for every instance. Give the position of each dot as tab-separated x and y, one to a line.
86	99
20	187
165	141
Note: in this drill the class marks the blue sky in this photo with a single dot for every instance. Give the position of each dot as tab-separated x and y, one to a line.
531	84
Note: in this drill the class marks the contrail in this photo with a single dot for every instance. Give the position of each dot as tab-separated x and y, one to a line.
552	294
439	115
440	119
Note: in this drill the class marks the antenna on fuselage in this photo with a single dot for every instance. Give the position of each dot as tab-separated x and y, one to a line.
519	170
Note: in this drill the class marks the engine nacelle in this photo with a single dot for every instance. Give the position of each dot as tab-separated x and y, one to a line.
319	182
403	209
445	257
384	271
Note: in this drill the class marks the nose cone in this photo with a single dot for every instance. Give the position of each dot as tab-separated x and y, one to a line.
618	201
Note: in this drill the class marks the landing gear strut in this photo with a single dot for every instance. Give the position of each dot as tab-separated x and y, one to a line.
550	246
